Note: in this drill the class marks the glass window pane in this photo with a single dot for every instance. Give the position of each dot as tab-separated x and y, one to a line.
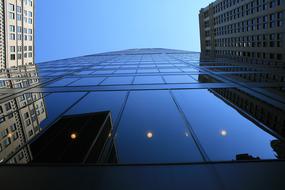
87	81
125	71
221	130
100	101
117	80
148	80
104	72
58	103
150	133
169	70
147	71
62	82
179	79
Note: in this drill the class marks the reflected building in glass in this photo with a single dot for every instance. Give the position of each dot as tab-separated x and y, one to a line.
20	115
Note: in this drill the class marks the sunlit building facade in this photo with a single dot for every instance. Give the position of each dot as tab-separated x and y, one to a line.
17	33
249	30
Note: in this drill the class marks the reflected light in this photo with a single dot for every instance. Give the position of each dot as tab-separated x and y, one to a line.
149	135
223	133
1	160
10	135
73	136
186	134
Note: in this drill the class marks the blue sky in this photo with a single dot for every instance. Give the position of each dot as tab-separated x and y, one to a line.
70	28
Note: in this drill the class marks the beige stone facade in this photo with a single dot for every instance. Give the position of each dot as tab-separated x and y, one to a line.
251	30
17	46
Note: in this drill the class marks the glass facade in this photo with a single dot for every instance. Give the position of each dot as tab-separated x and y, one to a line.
166	106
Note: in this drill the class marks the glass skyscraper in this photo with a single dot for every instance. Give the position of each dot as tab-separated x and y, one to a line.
152	107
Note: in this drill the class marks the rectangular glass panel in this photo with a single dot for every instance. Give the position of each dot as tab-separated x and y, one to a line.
57	103
152	130
222	131
179	79
87	81
117	80
100	101
84	72
103	72
62	82
169	70
148	80
147	71
125	71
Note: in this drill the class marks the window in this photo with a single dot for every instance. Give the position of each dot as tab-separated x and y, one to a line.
19	9
12	57
11	7
279	56
12	16
15	136
7	142
12	49
30	48
30	14
31	132
2	119
13	127
19	29
19	36
19	17
12	28
12	36
30	21
4	133
8	106
26	115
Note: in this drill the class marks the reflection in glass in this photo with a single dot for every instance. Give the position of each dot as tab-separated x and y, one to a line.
20	77
152	130
20	118
207	114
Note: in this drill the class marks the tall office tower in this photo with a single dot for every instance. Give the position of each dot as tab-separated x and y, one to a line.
17	33
251	30
167	114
